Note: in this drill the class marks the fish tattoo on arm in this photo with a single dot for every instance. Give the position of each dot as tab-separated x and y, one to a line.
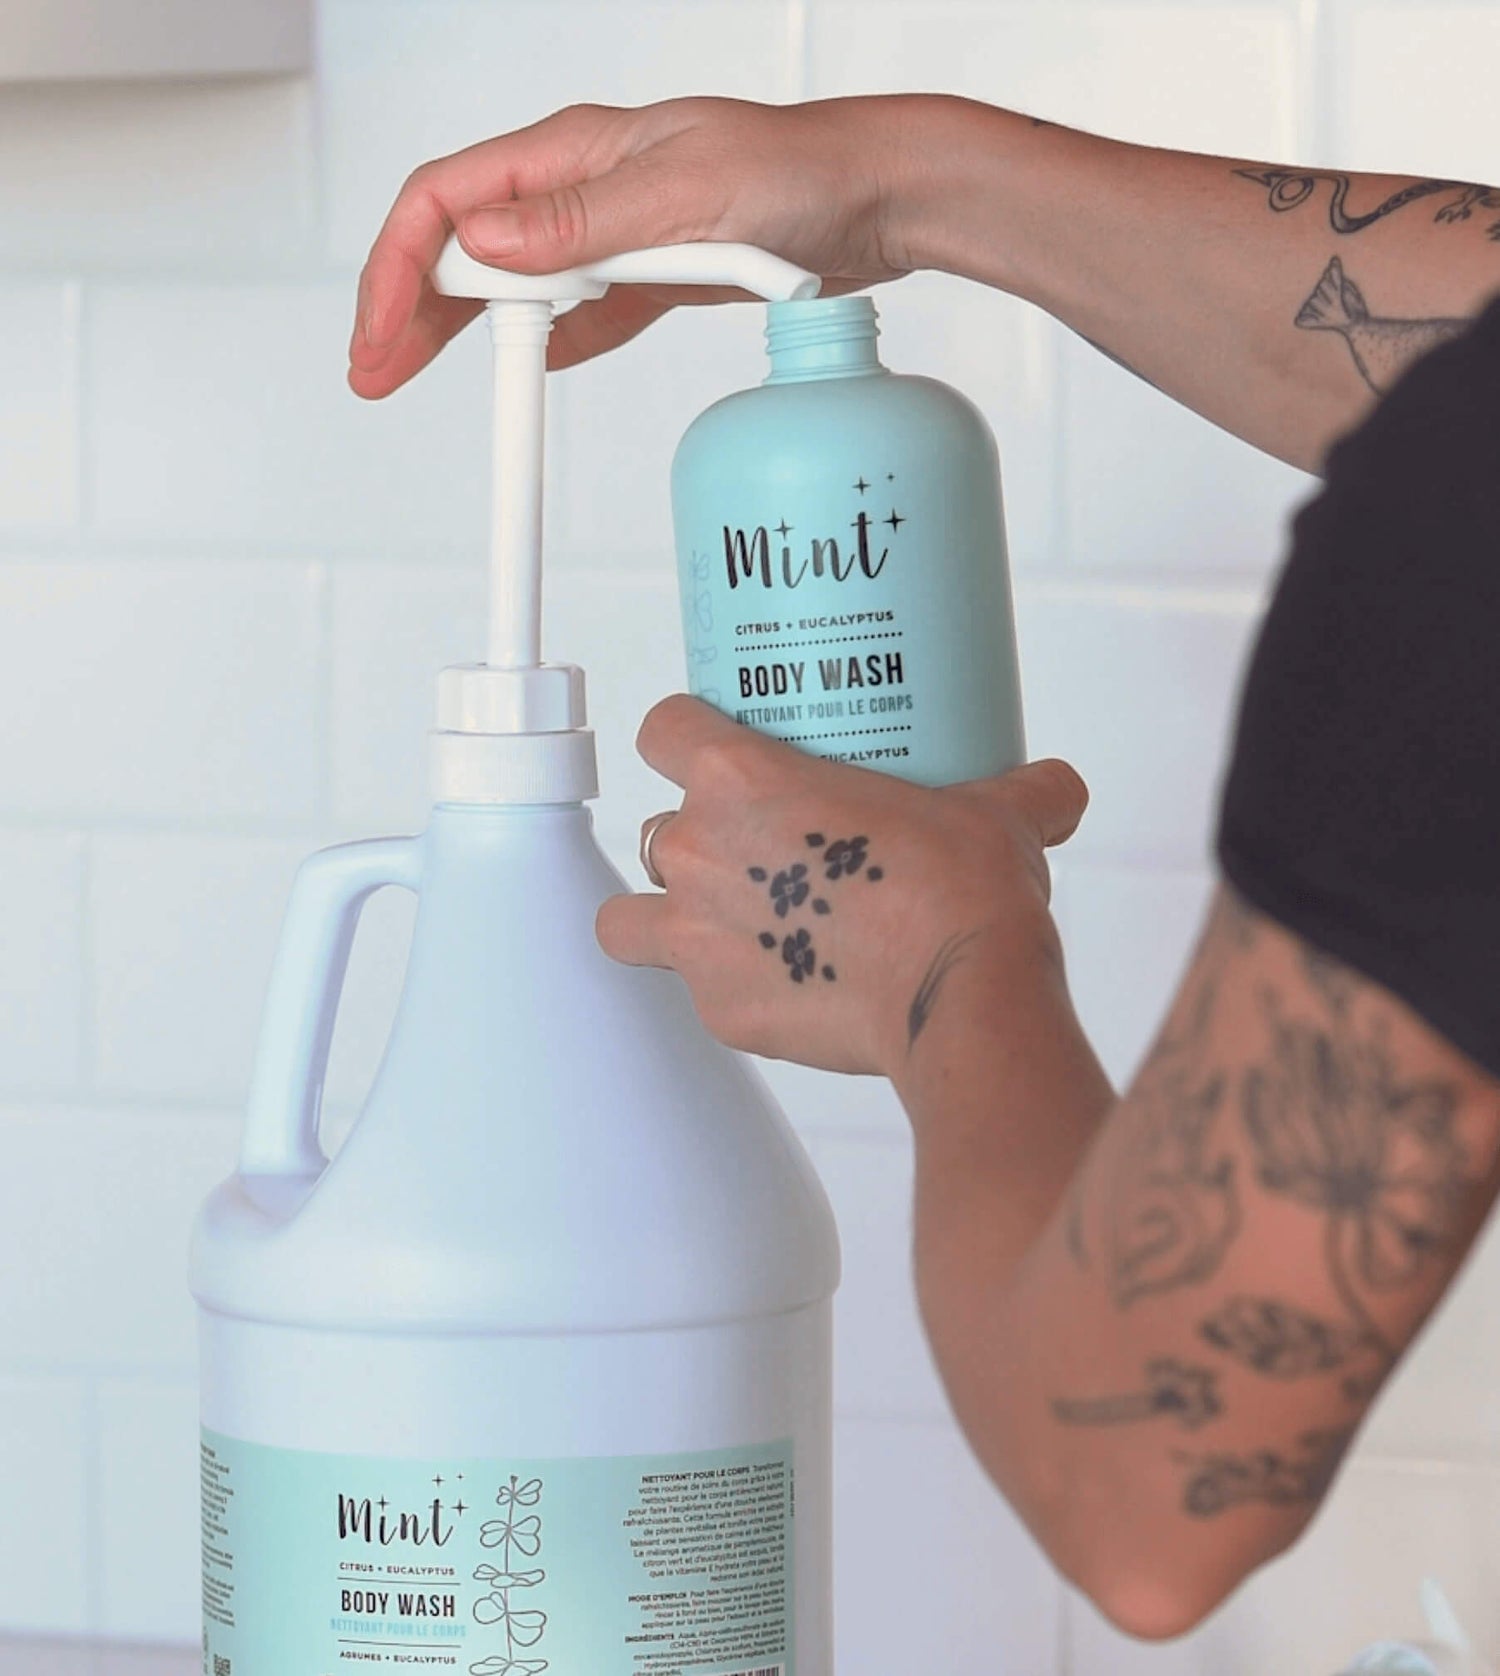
1383	348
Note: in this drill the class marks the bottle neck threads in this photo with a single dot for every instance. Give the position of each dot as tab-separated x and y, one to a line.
822	337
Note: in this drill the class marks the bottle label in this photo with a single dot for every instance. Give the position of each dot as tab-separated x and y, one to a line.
675	1565
812	662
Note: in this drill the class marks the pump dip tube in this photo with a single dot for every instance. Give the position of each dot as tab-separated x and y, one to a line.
533	1375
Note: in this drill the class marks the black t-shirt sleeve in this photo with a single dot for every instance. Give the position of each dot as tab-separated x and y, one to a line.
1362	804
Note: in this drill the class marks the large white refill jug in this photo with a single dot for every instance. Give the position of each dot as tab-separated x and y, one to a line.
534	1374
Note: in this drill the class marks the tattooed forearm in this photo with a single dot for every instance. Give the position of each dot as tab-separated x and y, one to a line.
1333	1127
1288	189
1271	1477
1174	1390
1173	1205
1382	348
1276	1339
947	957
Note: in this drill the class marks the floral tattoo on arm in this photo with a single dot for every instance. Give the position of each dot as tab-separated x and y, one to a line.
1322	1118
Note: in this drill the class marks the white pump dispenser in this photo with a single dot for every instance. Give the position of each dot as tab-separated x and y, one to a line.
535	1373
511	730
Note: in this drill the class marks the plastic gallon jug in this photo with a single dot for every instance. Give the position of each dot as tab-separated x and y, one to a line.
534	1374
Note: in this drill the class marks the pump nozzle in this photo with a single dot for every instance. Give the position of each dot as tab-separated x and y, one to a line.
513	696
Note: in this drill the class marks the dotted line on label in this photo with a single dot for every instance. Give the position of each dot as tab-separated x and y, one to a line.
837	640
853	733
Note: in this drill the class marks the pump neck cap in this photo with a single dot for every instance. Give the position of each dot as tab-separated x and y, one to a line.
512	736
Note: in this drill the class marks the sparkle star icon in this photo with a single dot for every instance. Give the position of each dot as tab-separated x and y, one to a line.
895	520
459	1508
861	485
438	1482
382	1504
890	477
784	529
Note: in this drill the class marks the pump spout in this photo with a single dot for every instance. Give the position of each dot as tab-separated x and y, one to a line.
519	331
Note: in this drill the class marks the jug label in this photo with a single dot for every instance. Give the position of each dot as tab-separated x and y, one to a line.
677	1565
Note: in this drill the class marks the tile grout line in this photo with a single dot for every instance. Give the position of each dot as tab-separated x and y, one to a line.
1312	83
798	68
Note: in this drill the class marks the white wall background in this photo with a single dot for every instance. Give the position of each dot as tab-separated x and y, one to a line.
224	588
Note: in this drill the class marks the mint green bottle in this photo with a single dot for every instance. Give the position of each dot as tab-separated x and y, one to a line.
841	549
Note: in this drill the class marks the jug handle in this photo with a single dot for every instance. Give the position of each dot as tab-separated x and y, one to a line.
302	999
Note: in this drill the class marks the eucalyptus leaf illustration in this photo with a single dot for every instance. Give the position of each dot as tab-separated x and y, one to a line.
524	1629
485	1573
525	1535
499	1665
516	1494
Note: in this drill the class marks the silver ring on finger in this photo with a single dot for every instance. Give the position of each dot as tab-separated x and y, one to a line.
648	838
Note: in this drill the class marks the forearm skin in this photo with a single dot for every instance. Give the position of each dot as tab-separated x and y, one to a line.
1212	278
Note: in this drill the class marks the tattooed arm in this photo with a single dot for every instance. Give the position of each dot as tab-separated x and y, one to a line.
1276	302
1160	1316
1163	1366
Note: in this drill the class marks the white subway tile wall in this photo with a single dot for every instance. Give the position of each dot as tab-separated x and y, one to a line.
225	586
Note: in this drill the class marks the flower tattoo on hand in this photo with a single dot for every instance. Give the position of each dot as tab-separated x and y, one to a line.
845	855
789	889
798	953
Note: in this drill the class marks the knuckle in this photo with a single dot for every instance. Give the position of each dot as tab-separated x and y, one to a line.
585	110
1064	782
660	721
422	179
674	847
611	924
728	765
562	217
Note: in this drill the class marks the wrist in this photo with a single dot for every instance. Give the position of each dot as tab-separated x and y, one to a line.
942	1004
955	170
986	194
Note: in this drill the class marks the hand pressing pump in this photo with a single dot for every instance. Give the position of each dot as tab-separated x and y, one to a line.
532	1374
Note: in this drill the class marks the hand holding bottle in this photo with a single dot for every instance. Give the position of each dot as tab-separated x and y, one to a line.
820	184
822	913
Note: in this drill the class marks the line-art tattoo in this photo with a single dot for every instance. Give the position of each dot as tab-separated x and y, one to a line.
1269	1477
1333	1127
1174	1390
949	955
1382	349
1331	978
1173	1206
1288	189
1277	1339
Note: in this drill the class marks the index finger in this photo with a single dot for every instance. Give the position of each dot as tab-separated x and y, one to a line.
430	205
677	732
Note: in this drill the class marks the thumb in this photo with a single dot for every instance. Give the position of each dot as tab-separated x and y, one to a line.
1049	796
578	222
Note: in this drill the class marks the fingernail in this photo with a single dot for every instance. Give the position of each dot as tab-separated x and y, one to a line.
497	232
